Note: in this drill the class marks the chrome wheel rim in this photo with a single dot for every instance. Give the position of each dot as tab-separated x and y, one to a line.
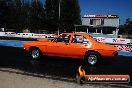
35	54
92	59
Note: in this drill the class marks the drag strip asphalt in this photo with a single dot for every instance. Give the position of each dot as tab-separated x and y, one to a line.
13	43
15	60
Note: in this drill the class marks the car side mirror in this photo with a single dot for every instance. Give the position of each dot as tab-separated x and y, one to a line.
54	40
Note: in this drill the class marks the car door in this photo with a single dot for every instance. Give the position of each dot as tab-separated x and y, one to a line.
59	46
78	46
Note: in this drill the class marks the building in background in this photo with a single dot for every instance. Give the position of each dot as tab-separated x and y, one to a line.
104	24
100	20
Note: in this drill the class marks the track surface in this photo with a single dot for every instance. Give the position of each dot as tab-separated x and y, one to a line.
54	68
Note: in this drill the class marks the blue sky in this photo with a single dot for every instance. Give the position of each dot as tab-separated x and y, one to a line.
123	8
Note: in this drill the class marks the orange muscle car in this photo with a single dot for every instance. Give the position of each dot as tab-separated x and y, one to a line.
73	45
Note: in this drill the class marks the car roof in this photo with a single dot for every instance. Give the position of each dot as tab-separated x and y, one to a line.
77	33
68	33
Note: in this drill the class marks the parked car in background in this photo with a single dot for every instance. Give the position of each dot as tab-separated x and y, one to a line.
72	45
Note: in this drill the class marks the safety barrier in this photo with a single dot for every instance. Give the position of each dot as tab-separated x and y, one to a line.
114	40
27	35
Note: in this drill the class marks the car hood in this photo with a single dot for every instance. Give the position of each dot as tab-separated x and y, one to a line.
43	40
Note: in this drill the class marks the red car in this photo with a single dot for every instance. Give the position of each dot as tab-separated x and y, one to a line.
72	45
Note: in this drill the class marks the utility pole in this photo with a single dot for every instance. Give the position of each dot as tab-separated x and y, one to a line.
59	17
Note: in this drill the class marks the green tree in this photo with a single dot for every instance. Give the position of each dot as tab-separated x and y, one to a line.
21	16
122	29
36	15
3	13
17	15
51	14
69	14
128	26
13	14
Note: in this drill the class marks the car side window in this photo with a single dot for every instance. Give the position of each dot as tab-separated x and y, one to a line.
79	39
63	38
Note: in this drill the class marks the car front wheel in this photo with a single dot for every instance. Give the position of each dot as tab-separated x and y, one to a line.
35	53
92	58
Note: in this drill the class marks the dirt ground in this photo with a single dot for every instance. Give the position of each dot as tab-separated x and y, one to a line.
13	80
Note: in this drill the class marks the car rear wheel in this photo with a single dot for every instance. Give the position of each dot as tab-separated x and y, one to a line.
35	53
92	58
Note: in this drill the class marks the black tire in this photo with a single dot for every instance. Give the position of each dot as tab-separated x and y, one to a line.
92	58
35	53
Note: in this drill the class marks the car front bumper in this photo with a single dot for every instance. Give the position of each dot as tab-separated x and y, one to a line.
115	53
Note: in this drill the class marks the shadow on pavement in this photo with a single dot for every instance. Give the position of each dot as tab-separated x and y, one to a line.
58	68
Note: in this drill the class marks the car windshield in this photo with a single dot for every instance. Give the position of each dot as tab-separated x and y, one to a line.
93	38
62	38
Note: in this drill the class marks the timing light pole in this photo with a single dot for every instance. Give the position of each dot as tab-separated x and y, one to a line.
59	16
